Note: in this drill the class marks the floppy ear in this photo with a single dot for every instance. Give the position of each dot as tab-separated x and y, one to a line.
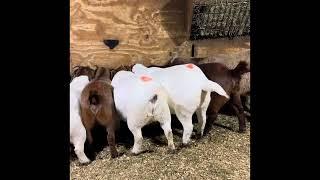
241	68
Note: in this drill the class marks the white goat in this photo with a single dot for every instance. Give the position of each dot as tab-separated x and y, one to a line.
140	100
77	130
189	91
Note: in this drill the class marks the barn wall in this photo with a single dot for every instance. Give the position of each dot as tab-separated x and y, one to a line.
149	31
230	52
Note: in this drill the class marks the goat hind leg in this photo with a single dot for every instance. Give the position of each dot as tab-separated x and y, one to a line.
168	133
79	147
186	121
138	139
201	114
111	142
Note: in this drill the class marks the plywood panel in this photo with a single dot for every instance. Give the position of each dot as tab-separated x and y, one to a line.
223	50
148	30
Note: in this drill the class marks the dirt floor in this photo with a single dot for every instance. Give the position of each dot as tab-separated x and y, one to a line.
221	154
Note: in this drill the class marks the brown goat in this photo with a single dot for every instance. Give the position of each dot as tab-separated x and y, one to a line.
229	79
97	106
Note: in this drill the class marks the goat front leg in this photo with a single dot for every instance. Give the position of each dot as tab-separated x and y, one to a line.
210	121
238	108
112	142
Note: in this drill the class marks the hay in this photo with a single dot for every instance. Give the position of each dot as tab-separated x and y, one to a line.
222	154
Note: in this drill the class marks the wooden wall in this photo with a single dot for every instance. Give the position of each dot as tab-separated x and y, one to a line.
223	50
148	31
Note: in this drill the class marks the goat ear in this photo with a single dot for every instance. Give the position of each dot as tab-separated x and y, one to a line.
241	68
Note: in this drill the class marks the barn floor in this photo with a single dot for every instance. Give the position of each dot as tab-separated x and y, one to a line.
221	154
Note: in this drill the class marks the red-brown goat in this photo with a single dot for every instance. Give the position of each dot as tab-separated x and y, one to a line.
229	79
97	106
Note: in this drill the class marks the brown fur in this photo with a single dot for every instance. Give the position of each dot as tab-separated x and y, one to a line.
83	70
97	106
229	79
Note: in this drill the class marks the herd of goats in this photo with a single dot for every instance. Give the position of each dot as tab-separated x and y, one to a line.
139	95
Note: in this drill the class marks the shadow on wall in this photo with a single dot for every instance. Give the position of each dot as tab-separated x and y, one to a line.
173	20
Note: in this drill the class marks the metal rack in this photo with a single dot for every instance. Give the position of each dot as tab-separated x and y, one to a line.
220	18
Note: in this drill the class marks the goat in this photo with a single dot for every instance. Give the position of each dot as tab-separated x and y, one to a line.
229	79
189	91
140	100
77	130
97	106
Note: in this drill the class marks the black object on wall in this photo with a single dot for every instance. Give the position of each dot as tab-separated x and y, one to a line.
111	43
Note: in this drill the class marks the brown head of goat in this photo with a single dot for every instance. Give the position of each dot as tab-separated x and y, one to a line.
97	106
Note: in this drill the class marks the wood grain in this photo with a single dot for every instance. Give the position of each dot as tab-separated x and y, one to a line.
229	52
147	30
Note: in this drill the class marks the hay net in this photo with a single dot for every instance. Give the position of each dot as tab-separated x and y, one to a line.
220	18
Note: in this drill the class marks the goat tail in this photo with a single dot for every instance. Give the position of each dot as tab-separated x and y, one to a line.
156	101
91	100
213	86
240	69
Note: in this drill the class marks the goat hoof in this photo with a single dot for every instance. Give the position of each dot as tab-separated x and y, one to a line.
149	150
198	135
188	145
242	130
130	153
84	163
172	151
114	154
